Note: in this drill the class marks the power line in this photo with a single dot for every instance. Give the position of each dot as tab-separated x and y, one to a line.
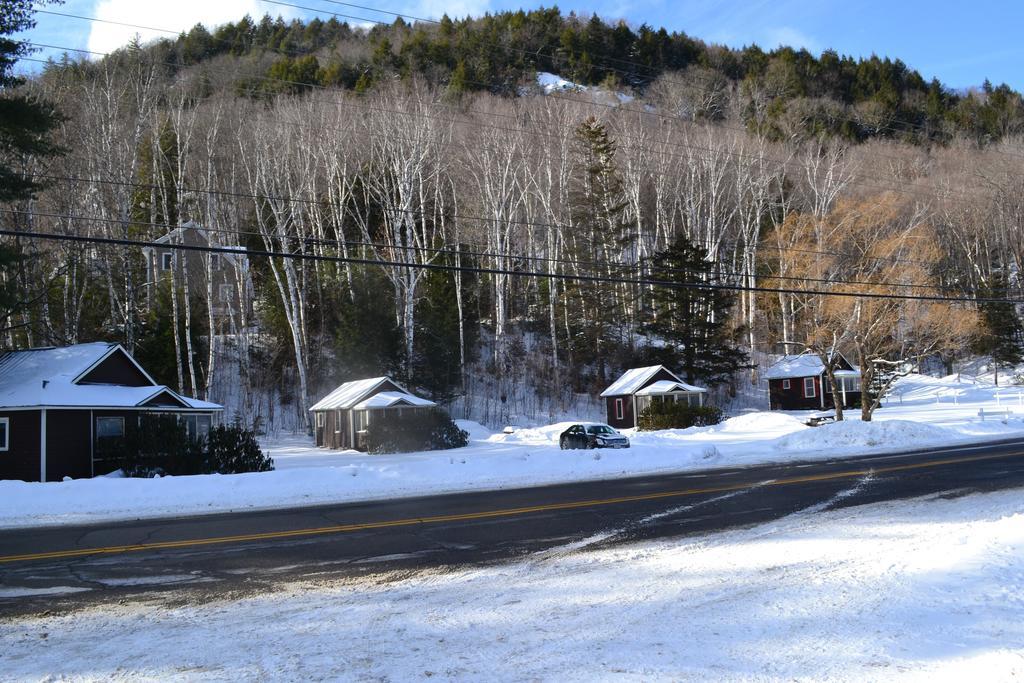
495	255
413	212
644	282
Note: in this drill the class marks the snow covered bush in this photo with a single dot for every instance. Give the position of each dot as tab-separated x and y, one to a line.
415	430
672	415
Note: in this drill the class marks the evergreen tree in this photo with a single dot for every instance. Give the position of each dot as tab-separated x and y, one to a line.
436	366
26	126
693	321
26	123
1003	335
598	206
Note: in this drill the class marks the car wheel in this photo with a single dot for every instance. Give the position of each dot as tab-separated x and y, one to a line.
563	444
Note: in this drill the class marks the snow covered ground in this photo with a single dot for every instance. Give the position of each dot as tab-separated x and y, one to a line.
923	411
924	590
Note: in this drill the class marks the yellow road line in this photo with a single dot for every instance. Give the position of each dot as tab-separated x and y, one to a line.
486	514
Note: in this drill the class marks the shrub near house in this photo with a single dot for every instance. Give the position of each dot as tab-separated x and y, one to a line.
420	430
161	444
669	415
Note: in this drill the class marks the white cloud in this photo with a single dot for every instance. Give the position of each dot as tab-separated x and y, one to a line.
174	15
456	9
787	36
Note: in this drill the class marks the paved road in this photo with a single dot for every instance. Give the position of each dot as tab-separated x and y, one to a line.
66	567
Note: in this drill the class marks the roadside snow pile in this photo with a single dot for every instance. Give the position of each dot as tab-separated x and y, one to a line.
476	431
742	429
891	434
760	423
536	436
922	590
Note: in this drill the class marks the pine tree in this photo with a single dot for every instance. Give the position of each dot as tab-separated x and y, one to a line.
26	123
600	235
693	321
1003	334
26	126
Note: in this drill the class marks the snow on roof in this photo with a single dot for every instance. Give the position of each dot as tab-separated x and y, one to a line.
803	365
632	380
386	399
349	394
46	377
666	386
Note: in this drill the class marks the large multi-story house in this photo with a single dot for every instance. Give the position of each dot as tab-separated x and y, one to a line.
221	276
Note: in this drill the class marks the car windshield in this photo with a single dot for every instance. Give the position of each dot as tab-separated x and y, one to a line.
600	429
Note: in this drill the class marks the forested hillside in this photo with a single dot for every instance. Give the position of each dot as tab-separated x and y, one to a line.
414	203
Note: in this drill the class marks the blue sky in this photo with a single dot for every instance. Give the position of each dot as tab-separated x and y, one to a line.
961	43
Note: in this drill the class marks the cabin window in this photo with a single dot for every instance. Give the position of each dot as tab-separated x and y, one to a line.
166	259
338	416
809	391
197	426
851	384
619	409
109	427
5	428
362	420
319	420
785	384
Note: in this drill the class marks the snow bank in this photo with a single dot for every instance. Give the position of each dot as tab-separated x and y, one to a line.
851	434
906	591
925	411
476	431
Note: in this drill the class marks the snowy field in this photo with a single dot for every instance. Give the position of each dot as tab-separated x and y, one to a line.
924	590
923	411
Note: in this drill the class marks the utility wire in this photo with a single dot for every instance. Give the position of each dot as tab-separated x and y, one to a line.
617	265
645	282
412	212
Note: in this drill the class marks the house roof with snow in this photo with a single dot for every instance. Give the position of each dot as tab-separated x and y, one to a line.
84	376
388	399
804	365
669	387
632	381
364	394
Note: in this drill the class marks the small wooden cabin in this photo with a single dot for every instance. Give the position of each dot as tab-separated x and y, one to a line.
58	404
637	388
799	382
340	419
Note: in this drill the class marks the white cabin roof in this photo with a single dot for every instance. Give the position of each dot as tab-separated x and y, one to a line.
666	386
386	399
357	395
633	380
803	365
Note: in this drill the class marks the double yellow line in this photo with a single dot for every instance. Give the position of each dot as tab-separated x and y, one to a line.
482	515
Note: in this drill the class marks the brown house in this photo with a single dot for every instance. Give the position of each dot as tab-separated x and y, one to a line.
221	276
638	388
57	404
340	419
799	383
